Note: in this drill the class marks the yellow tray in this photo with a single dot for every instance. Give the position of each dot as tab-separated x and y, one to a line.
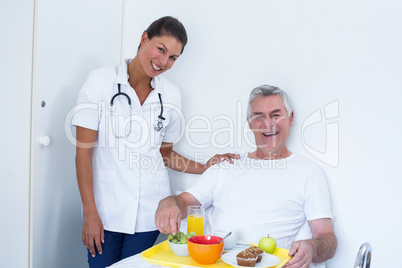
161	254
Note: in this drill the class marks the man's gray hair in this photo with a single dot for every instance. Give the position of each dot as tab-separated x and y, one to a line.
264	91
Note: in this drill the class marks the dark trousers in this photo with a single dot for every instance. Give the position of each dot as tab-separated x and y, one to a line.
118	246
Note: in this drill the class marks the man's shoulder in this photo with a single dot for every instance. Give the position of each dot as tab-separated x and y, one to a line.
308	168
224	168
294	163
224	165
305	162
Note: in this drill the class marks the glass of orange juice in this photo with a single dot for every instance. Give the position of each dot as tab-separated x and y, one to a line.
195	219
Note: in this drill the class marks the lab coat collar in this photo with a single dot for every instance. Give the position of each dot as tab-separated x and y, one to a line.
122	77
122	73
157	85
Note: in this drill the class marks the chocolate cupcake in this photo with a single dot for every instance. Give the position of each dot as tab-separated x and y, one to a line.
257	252
246	258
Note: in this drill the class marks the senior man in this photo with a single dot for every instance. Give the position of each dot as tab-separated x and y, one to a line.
269	191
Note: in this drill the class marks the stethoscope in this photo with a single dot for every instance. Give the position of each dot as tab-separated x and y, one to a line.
158	125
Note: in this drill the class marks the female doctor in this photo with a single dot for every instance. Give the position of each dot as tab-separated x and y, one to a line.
126	119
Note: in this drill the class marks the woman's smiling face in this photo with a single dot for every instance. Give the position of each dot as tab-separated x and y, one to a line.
270	124
157	55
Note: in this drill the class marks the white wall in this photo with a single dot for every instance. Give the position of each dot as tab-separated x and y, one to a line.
342	55
47	50
15	88
72	37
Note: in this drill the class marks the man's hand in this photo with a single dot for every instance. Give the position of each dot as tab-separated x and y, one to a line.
318	249
220	158
93	234
168	216
172	210
302	253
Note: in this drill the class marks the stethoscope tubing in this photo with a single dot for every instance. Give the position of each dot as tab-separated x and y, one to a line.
158	125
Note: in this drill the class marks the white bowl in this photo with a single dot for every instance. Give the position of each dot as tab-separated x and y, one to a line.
230	241
179	249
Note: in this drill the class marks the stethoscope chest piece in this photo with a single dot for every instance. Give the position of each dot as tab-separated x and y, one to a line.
158	125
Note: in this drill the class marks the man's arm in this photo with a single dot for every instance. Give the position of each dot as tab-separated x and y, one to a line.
172	210
318	249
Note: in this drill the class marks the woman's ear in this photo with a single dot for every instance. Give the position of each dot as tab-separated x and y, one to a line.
144	38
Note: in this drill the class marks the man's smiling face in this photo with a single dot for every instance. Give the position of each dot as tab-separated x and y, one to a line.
270	124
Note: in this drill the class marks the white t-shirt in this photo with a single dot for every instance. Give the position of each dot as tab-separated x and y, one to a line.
260	197
129	175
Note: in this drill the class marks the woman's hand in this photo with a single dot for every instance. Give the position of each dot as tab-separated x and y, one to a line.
92	233
220	158
180	163
92	228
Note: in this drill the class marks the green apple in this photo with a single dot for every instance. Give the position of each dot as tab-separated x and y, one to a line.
268	244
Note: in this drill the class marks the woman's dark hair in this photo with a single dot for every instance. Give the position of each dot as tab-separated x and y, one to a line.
167	26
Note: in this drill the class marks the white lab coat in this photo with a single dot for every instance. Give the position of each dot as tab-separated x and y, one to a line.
128	173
